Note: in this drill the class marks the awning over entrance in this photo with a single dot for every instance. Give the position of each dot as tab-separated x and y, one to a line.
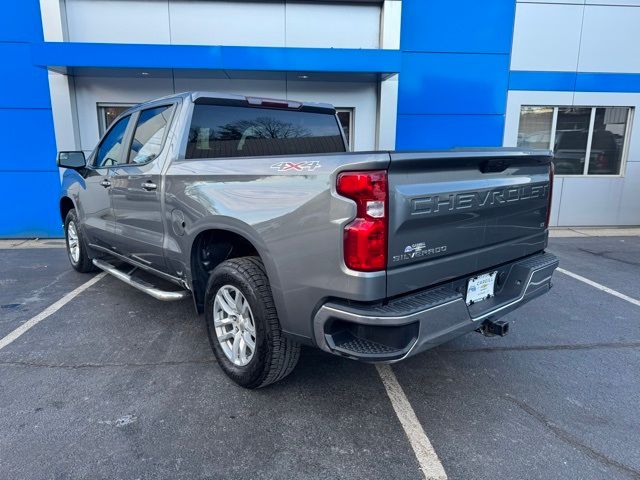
64	55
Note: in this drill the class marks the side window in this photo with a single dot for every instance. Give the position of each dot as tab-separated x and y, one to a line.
110	150
149	133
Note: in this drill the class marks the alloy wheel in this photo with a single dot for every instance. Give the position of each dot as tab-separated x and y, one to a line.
234	325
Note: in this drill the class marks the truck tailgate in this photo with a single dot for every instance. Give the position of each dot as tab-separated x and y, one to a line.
460	212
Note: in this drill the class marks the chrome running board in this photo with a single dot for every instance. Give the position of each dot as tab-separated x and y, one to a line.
128	278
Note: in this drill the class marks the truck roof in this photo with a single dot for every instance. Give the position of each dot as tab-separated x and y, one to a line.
206	95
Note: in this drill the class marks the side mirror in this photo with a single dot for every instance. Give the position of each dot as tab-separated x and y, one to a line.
71	160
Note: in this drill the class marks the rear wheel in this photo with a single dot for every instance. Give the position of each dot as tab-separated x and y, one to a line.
243	326
76	249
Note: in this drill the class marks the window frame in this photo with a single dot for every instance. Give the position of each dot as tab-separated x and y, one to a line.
136	115
352	122
552	137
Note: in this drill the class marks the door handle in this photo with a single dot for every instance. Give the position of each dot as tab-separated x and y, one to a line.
149	186
105	183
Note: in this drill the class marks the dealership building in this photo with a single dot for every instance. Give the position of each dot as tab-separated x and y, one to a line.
403	74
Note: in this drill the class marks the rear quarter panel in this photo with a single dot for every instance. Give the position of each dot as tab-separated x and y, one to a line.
293	218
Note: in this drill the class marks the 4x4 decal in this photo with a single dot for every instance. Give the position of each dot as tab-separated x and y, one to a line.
296	167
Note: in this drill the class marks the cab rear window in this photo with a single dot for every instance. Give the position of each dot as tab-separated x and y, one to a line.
236	131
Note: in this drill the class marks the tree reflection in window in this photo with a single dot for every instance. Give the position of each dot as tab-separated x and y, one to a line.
229	131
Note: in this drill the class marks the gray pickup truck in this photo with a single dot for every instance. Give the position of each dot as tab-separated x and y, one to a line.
254	208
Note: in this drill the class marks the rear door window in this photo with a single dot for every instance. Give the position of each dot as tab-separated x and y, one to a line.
236	131
149	134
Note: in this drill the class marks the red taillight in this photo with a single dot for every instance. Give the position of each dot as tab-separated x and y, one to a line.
365	238
552	171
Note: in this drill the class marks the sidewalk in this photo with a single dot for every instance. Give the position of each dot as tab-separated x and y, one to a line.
558	232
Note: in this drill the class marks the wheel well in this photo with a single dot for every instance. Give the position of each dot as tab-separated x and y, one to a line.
65	205
210	248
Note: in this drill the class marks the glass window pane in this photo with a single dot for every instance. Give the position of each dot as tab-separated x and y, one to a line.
230	131
572	132
147	139
110	150
608	140
534	130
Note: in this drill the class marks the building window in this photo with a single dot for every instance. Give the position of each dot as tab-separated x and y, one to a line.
345	115
584	140
108	112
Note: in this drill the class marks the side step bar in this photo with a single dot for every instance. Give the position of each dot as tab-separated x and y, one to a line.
140	284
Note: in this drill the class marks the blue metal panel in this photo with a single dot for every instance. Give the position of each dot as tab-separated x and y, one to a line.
546	81
465	26
21	84
27	139
572	81
453	83
608	82
447	131
29	181
455	73
216	57
35	196
20	21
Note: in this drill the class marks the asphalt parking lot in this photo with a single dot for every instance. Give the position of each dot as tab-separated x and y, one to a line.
116	385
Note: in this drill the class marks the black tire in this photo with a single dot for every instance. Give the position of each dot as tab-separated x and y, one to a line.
83	263
275	355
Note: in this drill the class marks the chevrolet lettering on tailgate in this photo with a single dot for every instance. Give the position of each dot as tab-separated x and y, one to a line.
483	199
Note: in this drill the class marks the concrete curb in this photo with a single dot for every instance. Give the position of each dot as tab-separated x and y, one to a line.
594	232
20	243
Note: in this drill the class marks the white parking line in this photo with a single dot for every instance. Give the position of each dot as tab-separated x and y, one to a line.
51	309
427	457
599	286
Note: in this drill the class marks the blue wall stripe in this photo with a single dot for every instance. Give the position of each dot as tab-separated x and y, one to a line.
575	81
608	82
346	60
547	81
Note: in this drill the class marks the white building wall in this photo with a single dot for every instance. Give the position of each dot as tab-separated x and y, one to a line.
119	21
582	36
226	23
610	39
546	37
214	22
207	22
596	36
587	200
90	91
336	25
